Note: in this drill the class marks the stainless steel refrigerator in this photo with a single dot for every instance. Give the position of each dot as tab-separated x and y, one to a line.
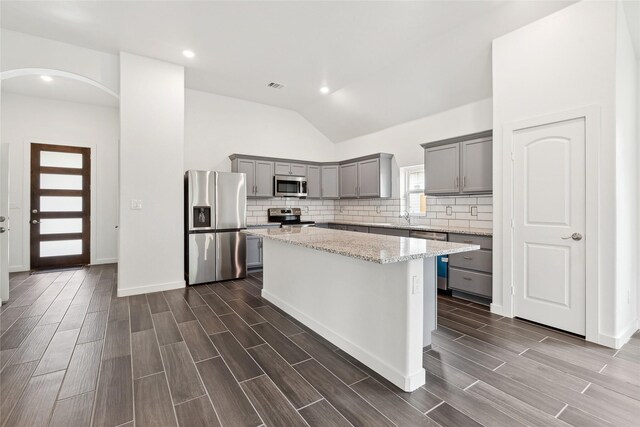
215	212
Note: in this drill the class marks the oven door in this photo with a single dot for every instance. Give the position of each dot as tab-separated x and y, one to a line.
289	186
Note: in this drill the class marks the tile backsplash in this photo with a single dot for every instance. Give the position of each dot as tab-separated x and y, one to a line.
459	211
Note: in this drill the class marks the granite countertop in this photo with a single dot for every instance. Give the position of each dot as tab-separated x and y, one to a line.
368	247
417	227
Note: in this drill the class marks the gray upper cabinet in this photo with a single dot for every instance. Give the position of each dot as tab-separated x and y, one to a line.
264	179
297	169
441	169
349	180
461	165
313	182
330	182
369	178
259	176
477	160
247	167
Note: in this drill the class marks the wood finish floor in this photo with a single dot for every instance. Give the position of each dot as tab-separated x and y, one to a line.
73	354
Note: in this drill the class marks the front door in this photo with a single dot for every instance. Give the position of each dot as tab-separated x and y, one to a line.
549	224
60	206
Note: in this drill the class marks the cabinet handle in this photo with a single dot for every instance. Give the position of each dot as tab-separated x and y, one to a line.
467	257
457	180
355	190
464	182
468	241
467	278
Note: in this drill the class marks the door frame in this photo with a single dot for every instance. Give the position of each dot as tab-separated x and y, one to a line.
26	194
85	172
591	115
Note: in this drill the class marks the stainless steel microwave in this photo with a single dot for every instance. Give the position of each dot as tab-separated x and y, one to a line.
289	186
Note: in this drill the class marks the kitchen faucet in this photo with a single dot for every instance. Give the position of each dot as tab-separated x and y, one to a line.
406	216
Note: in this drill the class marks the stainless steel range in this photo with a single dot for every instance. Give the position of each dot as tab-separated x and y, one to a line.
288	217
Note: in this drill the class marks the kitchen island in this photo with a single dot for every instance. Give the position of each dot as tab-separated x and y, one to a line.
373	296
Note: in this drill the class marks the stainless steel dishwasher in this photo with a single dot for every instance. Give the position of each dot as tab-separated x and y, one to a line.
442	262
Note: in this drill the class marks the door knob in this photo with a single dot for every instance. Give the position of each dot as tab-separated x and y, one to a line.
35	211
574	236
2	230
35	221
2	219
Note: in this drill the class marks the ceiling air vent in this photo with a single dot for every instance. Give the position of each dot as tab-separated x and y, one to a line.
275	85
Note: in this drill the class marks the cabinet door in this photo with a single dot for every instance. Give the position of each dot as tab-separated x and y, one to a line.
248	167
313	182
369	178
477	162
254	251
442	169
349	180
330	188
264	179
283	168
298	169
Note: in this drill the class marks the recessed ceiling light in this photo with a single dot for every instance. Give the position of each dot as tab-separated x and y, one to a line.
46	78
324	90
188	53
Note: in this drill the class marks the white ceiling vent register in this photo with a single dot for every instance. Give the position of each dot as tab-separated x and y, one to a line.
275	85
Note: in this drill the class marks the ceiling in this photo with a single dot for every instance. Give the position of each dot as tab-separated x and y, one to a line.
385	62
60	88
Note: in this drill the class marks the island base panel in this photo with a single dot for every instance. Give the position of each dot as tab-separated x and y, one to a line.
374	312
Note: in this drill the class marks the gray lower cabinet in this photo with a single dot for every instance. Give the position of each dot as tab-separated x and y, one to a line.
314	182
389	231
470	272
330	182
358	228
337	227
254	252
259	176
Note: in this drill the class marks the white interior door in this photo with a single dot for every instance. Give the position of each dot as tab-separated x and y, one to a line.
4	222
549	224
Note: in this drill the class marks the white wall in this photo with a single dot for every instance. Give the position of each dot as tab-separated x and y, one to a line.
151	170
19	50
626	177
217	126
404	140
560	63
27	119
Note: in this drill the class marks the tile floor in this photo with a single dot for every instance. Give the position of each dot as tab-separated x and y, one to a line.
73	354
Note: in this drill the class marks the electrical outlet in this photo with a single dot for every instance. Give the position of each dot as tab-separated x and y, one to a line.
136	204
415	285
377	209
474	211
449	210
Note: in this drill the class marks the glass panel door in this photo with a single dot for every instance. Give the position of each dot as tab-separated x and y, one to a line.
60	206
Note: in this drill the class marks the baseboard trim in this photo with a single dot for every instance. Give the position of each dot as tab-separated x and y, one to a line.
620	340
105	261
147	289
405	382
499	310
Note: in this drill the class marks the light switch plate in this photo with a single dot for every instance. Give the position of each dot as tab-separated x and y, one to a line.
474	211
449	210
136	204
